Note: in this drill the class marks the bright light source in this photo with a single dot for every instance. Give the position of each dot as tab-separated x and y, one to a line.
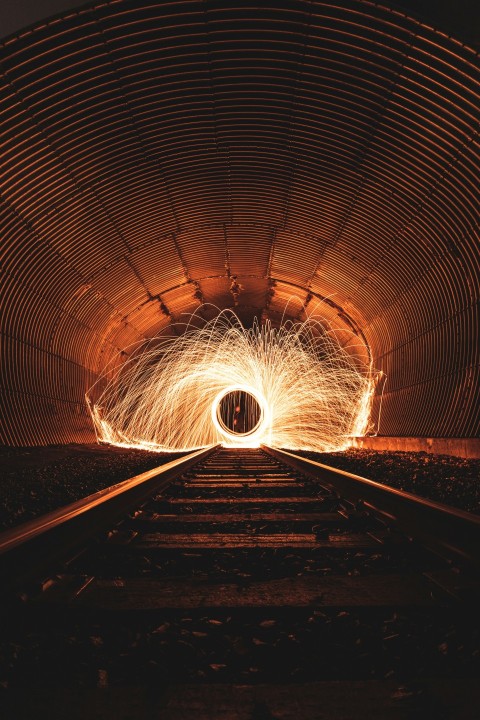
305	390
254	430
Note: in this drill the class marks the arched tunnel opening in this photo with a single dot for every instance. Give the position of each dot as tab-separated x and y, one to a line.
238	412
329	167
239	280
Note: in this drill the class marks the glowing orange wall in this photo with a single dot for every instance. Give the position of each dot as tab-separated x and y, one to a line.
149	154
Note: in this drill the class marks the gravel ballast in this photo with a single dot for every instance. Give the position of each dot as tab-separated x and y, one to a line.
36	480
444	478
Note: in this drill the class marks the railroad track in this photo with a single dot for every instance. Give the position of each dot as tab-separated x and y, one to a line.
248	584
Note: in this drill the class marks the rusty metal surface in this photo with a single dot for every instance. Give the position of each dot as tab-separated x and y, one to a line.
451	532
257	602
41	541
333	159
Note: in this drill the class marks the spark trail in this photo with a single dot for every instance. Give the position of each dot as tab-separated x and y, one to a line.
310	391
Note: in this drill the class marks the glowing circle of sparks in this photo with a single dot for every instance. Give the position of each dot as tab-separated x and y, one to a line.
258	433
314	391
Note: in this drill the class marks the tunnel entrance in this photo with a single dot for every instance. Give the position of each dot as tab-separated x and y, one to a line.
239	413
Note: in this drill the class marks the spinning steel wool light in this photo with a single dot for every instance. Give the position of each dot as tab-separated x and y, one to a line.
293	387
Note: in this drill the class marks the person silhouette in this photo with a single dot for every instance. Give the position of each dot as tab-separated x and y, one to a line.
238	420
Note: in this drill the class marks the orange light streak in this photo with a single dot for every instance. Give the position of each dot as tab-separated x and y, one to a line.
311	392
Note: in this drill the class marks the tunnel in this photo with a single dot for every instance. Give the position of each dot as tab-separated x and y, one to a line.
239	414
161	159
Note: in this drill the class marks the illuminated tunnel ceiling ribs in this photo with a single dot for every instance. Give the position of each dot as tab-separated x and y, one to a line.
152	151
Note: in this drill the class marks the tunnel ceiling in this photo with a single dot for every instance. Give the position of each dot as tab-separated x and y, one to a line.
326	154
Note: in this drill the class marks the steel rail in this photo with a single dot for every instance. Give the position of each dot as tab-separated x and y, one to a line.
452	533
29	549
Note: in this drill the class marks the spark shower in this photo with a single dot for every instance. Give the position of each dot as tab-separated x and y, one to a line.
307	392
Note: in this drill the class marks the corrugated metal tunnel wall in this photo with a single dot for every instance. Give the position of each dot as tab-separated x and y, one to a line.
323	150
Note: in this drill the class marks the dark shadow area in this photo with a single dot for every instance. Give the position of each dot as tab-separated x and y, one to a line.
239	412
